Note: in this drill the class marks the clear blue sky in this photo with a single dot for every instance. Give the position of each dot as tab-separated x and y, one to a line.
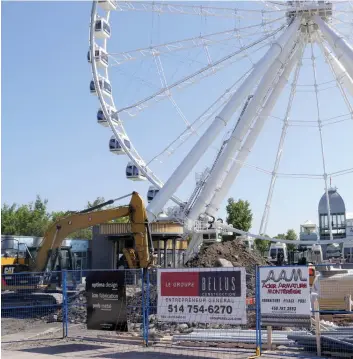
52	145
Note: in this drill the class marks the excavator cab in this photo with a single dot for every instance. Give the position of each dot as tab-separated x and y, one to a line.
59	259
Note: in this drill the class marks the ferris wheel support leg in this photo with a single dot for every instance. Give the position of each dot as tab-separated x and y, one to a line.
339	45
243	124
252	137
220	121
337	68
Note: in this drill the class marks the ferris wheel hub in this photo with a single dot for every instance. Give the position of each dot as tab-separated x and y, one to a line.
306	9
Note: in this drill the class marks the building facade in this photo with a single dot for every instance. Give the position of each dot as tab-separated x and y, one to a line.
338	215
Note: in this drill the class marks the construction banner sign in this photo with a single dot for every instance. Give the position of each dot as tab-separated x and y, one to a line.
285	295
106	301
202	295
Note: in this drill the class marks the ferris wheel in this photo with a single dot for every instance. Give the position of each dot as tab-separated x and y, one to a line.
235	94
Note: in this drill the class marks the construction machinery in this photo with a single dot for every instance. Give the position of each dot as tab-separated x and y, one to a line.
14	258
41	269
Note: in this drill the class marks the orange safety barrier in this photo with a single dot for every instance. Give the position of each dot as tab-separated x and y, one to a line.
250	300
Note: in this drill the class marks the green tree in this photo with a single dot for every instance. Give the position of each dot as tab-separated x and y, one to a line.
262	245
8	224
290	235
27	220
239	214
33	219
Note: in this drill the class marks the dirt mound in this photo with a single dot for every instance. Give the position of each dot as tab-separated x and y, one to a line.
236	253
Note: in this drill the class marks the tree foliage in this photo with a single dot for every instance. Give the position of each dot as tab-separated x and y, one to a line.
262	245
33	219
27	220
239	214
290	235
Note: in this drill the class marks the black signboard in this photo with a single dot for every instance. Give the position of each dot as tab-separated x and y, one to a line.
220	284
106	301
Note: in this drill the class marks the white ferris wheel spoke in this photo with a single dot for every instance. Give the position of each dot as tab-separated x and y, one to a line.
203	72
210	70
198	10
267	209
184	44
320	133
169	94
341	173
200	120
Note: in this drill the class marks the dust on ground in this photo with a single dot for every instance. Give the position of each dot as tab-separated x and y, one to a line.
17	325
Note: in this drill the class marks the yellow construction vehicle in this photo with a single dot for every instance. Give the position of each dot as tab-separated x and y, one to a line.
40	266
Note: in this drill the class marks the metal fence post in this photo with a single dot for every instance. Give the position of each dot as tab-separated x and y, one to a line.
147	304
64	304
143	305
258	312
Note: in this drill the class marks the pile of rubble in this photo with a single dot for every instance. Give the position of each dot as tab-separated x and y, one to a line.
230	254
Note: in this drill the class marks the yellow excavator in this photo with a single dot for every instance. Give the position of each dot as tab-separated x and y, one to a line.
41	270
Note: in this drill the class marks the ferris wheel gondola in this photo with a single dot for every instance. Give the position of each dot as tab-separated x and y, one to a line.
104	85
101	119
133	173
100	57
152	192
116	148
102	29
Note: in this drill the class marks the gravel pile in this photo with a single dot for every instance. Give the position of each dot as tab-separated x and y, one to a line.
236	253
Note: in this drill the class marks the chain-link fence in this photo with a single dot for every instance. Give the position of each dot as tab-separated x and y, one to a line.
210	308
306	309
208	312
31	307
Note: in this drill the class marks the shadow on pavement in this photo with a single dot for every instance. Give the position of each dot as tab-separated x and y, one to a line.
148	355
63	348
167	355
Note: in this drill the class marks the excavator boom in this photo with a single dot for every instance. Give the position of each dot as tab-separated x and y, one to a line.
136	210
50	253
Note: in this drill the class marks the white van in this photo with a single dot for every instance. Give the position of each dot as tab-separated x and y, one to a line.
275	250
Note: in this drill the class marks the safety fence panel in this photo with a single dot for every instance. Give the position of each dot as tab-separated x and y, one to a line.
198	311
306	310
107	304
31	308
205	331
205	312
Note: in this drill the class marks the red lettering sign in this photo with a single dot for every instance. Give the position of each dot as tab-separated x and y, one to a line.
180	284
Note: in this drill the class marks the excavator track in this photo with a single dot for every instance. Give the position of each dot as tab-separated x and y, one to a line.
34	302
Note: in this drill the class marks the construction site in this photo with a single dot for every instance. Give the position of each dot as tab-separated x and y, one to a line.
38	299
187	270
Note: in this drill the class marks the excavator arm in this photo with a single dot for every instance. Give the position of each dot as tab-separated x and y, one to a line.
136	210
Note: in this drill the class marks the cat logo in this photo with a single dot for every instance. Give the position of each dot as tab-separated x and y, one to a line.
9	270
